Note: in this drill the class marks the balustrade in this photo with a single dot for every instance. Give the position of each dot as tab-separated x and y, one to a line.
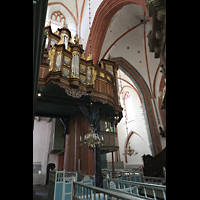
154	180
83	191
114	188
137	188
135	174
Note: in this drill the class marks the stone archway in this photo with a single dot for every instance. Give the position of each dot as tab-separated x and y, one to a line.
145	94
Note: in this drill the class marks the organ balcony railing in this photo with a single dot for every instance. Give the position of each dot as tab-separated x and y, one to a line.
108	131
64	64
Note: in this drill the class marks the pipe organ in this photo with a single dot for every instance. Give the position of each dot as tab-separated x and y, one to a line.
64	66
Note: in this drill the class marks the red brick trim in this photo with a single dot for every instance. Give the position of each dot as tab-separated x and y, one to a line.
103	16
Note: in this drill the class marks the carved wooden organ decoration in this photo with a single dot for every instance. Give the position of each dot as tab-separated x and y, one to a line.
64	64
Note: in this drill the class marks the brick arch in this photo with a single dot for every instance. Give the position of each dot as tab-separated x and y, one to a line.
103	16
144	91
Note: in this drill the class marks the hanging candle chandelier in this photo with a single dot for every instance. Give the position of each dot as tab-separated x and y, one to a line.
130	151
92	139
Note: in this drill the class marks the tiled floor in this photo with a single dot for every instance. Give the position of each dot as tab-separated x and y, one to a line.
40	192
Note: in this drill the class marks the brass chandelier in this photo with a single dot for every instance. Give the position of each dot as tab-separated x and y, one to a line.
130	151
92	139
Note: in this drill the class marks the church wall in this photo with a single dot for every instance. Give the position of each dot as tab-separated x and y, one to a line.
136	123
41	138
139	140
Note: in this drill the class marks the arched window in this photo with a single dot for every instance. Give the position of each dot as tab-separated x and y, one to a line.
58	16
128	106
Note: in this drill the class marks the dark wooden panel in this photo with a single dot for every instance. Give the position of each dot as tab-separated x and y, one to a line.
109	90
97	85
102	87
112	140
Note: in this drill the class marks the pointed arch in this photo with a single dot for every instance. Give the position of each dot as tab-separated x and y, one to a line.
131	86
146	96
102	19
127	141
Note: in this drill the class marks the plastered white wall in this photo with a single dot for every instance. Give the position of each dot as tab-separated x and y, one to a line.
41	139
137	124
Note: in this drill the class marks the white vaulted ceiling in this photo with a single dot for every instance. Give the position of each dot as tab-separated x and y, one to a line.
123	37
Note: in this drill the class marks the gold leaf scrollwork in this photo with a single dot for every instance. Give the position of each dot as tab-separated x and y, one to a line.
108	77
94	73
62	41
71	39
51	57
73	76
76	39
57	32
74	53
89	57
102	74
115	72
59	52
101	64
69	48
83	56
